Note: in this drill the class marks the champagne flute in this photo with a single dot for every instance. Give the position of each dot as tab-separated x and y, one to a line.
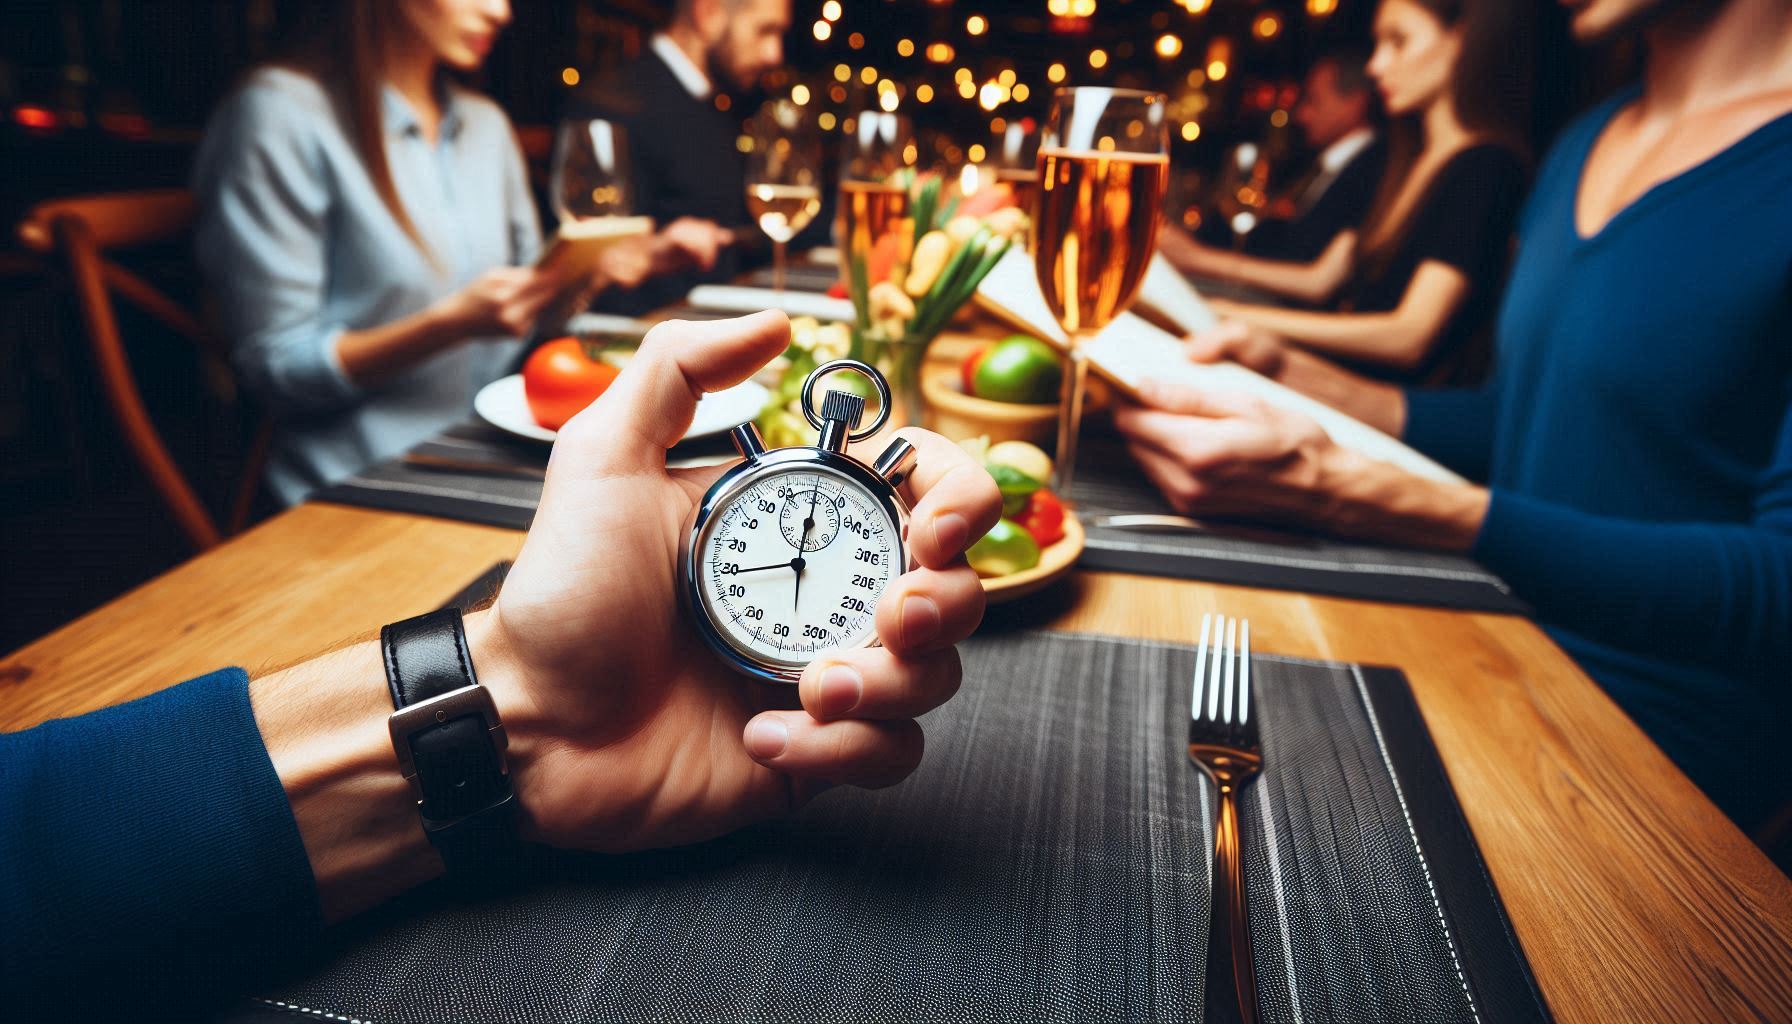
1017	161
1103	166
876	164
783	177
590	171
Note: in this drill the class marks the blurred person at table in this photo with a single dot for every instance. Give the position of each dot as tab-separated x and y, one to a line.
689	174
1412	292
367	230
172	850
1635	442
1336	113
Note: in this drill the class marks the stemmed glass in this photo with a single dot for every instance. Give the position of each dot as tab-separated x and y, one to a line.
591	170
874	197
783	177
1103	166
875	229
1017	161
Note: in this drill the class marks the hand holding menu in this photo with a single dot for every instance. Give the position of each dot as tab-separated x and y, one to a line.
572	256
1130	350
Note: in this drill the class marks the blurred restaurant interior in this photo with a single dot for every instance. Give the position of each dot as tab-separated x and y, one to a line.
1414	371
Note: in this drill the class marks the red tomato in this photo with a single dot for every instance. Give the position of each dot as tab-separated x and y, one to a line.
1043	517
561	378
969	370
837	290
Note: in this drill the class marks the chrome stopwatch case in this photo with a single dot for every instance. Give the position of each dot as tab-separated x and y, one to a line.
789	552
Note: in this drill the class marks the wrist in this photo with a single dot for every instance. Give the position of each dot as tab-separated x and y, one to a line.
323	722
449	320
500	671
1378	501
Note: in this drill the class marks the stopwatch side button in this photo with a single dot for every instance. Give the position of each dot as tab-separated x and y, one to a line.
896	463
747	441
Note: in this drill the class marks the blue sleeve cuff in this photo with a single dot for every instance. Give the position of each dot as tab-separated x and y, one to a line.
1455	427
148	847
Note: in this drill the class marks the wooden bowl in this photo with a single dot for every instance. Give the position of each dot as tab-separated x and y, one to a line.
1054	562
957	415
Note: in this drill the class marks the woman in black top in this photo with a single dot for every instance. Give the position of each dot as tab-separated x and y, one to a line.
1414	291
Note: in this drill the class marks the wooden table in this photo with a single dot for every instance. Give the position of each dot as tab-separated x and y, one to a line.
1634	898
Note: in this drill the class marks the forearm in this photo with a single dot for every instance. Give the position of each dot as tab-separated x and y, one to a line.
1308	282
1377	501
1388	339
377	353
324	724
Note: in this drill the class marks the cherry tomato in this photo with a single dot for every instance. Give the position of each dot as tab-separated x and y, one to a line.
562	377
968	371
1043	517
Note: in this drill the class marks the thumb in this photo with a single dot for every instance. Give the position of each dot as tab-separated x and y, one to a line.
649	407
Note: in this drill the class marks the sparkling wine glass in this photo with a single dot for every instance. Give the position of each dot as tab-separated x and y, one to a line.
783	177
1017	161
875	169
1103	166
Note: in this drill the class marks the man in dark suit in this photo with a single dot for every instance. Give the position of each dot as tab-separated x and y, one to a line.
682	126
1336	113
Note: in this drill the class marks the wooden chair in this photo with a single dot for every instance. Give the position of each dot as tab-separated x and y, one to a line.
82	230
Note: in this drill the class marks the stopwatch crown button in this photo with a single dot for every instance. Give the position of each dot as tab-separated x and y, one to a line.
843	407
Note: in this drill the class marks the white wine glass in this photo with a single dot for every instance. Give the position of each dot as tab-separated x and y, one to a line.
783	177
590	176
1103	166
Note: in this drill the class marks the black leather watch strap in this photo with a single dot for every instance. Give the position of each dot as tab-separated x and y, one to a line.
449	742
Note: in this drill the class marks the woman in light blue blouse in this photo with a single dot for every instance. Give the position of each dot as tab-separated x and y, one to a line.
367	228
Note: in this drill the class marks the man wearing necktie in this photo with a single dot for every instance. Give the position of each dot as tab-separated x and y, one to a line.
674	102
1336	113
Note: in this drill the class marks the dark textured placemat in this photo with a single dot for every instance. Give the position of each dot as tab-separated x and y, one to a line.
1107	483
1048	861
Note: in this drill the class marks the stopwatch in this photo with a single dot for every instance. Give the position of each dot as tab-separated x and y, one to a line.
789	552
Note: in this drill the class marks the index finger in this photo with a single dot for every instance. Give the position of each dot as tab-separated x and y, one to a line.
649	407
953	500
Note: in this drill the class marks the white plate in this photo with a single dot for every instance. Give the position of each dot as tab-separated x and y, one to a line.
502	404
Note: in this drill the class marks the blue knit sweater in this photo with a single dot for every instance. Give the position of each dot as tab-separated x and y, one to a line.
1637	440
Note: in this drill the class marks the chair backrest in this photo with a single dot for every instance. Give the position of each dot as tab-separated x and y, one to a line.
82	230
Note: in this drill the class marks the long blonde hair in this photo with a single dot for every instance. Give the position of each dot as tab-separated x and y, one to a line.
342	45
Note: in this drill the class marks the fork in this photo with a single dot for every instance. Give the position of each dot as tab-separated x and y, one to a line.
1222	741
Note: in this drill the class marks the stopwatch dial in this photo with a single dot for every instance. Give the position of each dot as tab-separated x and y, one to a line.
809	518
794	565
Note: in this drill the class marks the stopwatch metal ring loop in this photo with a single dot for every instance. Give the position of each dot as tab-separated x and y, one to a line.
862	369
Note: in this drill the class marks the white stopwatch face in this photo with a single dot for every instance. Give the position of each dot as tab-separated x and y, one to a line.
793	564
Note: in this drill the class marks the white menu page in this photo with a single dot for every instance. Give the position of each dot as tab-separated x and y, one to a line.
1131	349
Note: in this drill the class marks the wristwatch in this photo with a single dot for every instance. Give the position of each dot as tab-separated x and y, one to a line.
449	741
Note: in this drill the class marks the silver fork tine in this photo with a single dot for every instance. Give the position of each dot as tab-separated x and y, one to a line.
1244	674
1200	666
1230	650
1215	676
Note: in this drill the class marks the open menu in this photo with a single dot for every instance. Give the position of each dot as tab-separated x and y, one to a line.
1131	349
577	244
572	252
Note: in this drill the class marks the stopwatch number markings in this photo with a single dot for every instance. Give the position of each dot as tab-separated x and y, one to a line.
755	555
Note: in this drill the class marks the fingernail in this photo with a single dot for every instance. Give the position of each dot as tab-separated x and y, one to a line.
841	690
951	532
920	620
767	738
